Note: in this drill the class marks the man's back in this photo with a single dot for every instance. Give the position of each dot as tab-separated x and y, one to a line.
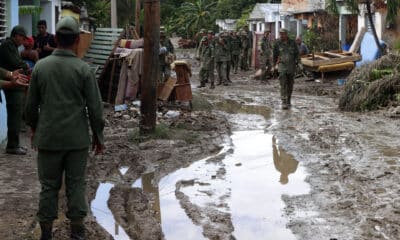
63	86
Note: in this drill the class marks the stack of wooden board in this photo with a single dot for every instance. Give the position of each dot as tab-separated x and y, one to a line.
101	48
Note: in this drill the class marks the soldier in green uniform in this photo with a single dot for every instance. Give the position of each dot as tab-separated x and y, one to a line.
207	64
236	46
221	59
245	51
266	56
165	57
63	98
227	37
12	79
286	56
11	61
250	39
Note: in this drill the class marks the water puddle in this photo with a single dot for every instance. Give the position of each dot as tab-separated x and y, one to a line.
104	215
245	181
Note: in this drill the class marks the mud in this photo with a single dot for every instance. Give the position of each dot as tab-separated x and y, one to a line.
351	161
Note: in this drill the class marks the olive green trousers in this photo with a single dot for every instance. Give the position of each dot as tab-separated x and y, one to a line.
51	166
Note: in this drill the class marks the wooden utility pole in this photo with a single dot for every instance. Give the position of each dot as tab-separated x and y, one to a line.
114	23
137	17
148	106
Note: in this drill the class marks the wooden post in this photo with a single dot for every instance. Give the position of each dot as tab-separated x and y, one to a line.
114	23
148	106
137	17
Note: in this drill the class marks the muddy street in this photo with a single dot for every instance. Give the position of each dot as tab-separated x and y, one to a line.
236	167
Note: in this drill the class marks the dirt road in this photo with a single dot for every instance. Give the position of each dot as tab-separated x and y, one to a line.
350	162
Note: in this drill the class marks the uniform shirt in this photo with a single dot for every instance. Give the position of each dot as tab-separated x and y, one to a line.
43	40
236	45
288	55
222	51
63	95
266	47
207	57
10	58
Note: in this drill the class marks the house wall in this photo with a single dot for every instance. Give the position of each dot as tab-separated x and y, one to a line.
298	6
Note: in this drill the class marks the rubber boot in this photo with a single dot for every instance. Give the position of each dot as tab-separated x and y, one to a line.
284	104
46	228
77	230
201	85
212	86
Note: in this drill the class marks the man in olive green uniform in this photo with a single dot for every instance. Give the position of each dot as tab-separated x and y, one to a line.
221	59
266	56
286	55
227	37
250	39
245	51
165	65
11	60
207	63
63	98
236	46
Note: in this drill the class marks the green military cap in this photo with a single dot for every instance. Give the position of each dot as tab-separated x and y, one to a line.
68	25
203	39
210	32
283	30
20	30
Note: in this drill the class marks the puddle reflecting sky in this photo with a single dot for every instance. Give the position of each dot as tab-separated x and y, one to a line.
267	172
103	214
258	173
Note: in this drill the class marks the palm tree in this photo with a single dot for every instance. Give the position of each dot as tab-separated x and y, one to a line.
392	7
196	15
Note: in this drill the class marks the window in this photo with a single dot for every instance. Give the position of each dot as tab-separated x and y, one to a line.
3	22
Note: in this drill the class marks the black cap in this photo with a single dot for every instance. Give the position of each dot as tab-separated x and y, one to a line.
42	22
18	30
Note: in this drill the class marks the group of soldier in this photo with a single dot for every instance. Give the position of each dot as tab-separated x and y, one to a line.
229	51
224	52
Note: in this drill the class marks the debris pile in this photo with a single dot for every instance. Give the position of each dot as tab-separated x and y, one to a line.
373	85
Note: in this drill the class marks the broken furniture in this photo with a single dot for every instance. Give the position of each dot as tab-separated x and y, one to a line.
178	89
329	61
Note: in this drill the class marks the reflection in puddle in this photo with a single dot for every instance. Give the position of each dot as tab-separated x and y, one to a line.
284	163
147	184
232	107
104	215
256	203
256	178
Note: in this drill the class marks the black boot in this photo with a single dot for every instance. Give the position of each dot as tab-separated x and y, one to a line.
77	230
46	228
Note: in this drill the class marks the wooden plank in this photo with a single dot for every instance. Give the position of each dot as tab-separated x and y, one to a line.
101	42
357	40
105	38
167	89
97	56
99	51
335	54
94	60
108	34
102	47
118	30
